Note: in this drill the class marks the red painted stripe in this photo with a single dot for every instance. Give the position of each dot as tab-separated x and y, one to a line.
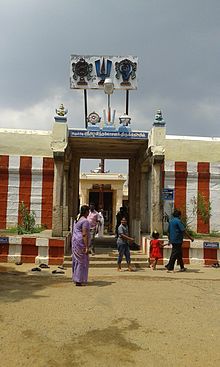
210	256
47	192
4	162
56	251
185	251
25	183
203	190
180	186
29	250
4	250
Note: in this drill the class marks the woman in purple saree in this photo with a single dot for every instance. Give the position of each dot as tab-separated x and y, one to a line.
80	247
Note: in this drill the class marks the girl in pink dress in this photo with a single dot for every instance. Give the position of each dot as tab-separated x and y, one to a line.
155	249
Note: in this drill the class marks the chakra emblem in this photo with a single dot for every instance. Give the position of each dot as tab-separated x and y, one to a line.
93	118
82	70
126	69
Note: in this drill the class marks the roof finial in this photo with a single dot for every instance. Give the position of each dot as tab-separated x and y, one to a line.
61	114
158	120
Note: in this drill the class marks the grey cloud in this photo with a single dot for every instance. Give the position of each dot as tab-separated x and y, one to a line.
176	43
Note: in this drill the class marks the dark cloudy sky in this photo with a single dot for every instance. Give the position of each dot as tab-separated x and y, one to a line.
176	41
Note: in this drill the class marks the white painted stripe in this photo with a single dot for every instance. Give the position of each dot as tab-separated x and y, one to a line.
14	253
43	255
169	183
191	194
214	190
36	187
42	242
215	168
169	166
13	191
13	240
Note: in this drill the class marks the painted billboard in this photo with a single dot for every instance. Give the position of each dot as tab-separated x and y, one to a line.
90	72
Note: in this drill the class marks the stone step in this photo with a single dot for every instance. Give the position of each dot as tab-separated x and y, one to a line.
107	242
110	264
111	257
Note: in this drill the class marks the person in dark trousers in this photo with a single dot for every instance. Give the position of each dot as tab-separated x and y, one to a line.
122	244
176	231
122	213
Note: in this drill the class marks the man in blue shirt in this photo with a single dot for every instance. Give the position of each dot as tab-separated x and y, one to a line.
176	231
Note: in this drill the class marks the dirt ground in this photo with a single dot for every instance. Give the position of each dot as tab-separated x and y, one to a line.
146	318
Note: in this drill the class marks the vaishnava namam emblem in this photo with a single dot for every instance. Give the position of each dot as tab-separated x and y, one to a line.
82	70
127	70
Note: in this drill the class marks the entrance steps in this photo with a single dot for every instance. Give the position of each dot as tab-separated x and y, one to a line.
106	241
108	259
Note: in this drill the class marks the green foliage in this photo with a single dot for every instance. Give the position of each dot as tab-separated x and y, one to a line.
28	220
200	207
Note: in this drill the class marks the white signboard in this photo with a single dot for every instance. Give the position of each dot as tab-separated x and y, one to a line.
90	72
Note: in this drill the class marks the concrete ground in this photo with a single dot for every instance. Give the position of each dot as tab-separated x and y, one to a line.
146	318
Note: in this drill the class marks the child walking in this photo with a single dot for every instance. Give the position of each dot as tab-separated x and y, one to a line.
155	249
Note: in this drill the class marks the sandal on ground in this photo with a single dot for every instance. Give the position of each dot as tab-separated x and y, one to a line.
58	272
44	266
18	263
36	269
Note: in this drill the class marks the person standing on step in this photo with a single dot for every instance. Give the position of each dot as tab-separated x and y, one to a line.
101	223
94	222
80	247
121	213
123	244
176	231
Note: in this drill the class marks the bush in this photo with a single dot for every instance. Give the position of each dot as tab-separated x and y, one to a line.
28	221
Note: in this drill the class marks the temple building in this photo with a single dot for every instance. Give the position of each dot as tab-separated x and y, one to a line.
41	169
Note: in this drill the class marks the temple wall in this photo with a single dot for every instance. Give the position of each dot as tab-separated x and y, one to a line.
25	143
28	179
192	149
192	167
187	179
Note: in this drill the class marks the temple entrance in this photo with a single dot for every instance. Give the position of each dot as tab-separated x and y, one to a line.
108	187
143	184
104	200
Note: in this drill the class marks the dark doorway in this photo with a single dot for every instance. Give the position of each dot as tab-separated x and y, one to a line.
107	198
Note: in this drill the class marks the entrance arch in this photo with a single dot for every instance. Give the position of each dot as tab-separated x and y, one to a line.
145	174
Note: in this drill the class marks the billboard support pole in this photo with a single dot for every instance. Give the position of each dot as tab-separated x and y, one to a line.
85	106
127	101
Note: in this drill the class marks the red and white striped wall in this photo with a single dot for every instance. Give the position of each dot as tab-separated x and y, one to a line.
32	250
27	179
187	179
193	252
